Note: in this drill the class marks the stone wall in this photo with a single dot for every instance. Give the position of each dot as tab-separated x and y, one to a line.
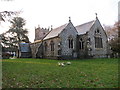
69	31
98	52
82	53
34	48
48	53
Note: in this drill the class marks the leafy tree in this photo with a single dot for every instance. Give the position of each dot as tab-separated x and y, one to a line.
17	29
8	40
15	35
4	16
7	16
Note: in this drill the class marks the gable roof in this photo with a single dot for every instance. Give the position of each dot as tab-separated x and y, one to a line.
55	32
83	28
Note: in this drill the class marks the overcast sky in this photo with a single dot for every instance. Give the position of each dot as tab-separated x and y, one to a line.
56	12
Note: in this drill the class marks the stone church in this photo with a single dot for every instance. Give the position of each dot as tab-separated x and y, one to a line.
88	40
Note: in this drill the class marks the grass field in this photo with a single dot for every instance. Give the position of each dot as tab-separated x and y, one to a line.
44	73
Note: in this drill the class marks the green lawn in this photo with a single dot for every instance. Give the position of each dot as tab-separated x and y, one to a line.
44	73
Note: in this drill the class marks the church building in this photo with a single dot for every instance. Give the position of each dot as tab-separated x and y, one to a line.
88	40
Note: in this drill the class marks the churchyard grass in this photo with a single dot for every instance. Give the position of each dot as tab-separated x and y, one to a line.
44	73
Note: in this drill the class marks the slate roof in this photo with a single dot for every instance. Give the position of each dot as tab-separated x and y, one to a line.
55	32
83	28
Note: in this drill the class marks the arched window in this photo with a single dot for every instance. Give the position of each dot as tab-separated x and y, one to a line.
97	31
52	45
98	39
45	46
70	40
81	44
98	42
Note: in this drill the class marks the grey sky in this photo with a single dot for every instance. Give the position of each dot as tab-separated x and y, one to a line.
56	12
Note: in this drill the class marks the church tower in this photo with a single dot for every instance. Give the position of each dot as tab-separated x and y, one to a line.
40	33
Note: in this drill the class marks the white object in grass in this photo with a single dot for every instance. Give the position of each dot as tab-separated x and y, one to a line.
62	64
68	63
59	64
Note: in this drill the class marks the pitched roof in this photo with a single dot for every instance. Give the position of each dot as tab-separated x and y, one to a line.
55	32
37	41
83	28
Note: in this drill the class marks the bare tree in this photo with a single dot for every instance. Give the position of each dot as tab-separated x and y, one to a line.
6	15
113	33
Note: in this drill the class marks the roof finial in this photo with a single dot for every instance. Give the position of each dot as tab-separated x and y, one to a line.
38	26
96	15
69	19
51	27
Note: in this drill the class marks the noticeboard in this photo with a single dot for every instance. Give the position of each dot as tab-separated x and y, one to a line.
24	47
